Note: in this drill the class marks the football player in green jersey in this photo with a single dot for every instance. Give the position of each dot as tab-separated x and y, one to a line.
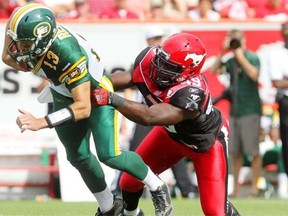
35	42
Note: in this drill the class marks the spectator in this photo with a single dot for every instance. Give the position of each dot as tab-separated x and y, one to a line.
97	6
273	10
62	9
272	156
175	9
22	2
119	10
156	8
169	9
83	10
154	35
141	8
256	3
204	11
279	75
237	9
245	112
6	9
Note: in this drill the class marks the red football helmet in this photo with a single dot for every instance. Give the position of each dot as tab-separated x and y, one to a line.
180	56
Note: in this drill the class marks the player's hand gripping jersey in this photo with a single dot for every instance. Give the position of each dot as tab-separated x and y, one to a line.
191	94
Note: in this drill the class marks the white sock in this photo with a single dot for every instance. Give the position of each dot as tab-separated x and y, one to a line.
152	181
282	185
105	199
131	213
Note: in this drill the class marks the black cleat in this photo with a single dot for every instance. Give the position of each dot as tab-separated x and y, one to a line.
231	210
141	213
116	210
162	201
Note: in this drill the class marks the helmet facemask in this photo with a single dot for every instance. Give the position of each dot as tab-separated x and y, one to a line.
23	51
163	71
27	50
179	57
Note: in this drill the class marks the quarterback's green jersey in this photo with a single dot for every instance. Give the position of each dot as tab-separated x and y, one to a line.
69	62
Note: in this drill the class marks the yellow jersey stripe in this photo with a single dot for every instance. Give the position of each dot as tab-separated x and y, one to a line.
106	84
21	12
38	65
116	133
71	68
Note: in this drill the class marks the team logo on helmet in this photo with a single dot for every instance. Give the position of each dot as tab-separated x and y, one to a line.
197	59
42	29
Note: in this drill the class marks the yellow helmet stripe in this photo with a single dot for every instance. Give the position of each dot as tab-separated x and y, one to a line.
22	12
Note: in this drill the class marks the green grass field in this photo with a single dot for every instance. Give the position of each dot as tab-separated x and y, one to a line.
247	207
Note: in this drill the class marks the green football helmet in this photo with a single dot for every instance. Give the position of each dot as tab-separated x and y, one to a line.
31	29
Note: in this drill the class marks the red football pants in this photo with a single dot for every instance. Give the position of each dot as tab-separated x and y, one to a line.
160	152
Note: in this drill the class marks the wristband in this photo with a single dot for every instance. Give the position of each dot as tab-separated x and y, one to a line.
116	100
59	117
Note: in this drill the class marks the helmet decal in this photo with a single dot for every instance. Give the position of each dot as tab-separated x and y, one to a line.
196	59
42	29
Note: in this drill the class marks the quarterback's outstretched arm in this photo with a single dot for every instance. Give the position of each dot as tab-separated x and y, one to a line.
79	109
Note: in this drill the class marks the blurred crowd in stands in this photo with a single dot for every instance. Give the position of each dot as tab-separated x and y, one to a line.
208	10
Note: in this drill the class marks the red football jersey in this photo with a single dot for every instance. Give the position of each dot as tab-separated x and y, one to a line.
191	94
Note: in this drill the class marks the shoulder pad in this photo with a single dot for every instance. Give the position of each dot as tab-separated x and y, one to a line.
188	97
140	57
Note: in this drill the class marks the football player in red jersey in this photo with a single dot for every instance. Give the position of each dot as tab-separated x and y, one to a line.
186	123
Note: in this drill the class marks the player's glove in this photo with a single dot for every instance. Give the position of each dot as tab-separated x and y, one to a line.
100	97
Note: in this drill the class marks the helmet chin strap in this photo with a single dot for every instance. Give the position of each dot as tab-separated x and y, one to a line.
12	34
